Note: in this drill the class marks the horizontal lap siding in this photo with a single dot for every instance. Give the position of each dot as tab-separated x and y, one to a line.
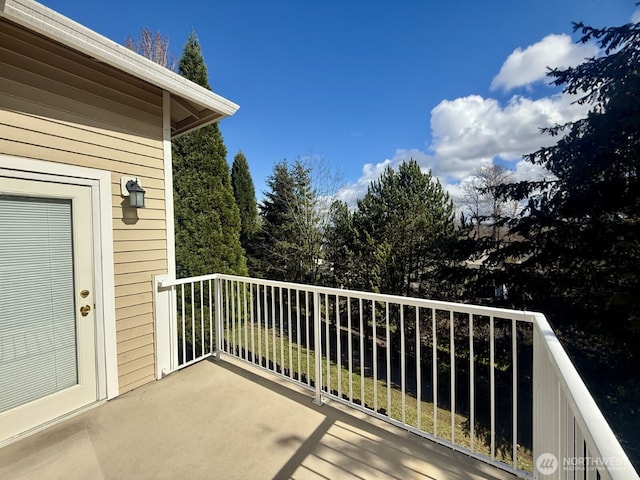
59	106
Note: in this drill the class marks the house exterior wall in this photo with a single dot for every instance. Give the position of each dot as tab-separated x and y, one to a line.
59	106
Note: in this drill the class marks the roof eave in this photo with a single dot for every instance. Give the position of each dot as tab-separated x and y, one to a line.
57	27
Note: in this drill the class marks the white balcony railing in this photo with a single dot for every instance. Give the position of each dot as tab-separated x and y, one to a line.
493	383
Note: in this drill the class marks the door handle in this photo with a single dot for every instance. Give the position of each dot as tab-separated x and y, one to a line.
84	310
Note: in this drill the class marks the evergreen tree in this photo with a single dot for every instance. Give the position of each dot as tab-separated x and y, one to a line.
245	195
207	217
291	235
577	254
579	235
275	248
402	227
339	245
307	224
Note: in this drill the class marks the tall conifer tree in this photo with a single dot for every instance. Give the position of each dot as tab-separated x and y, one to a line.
578	238
206	214
403	225
245	195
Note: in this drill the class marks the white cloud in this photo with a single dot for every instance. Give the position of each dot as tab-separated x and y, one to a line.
524	67
635	17
472	131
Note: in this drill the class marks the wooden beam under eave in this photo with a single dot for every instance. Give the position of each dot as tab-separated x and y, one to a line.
186	125
188	106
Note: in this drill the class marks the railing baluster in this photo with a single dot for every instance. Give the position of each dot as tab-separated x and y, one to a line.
273	328
193	324
210	317
253	319
239	321
403	370
298	334
327	339
258	297
227	318
361	353
418	372
242	351
514	356
434	374
317	347
245	319
492	386
306	314
452	351
265	304
184	327
472	383
232	306
289	333
375	355
338	347
281	332
388	365
201	320
234	317
350	349
218	306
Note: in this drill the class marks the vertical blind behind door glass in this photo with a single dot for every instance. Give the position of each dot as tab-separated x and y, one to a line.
37	307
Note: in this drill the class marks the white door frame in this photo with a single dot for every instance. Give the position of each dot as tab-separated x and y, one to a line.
100	183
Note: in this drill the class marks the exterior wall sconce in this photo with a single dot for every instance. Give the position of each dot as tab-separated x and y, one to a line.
130	187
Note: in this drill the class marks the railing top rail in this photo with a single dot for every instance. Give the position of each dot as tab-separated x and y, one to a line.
416	302
183	281
589	417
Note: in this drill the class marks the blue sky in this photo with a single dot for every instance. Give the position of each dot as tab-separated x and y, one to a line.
362	84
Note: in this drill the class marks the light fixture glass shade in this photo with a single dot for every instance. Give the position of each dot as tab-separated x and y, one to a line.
136	194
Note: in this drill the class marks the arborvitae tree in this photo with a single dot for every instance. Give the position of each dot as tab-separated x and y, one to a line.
207	217
245	194
403	225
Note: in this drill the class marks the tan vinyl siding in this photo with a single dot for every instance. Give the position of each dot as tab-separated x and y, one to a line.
59	106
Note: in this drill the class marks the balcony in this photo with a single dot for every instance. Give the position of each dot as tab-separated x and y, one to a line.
314	382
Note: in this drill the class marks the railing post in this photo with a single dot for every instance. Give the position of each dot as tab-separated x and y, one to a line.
317	347
166	338
218	328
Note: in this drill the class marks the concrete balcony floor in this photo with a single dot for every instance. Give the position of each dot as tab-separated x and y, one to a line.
224	420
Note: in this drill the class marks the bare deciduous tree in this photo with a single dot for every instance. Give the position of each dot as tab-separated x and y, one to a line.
481	202
153	46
